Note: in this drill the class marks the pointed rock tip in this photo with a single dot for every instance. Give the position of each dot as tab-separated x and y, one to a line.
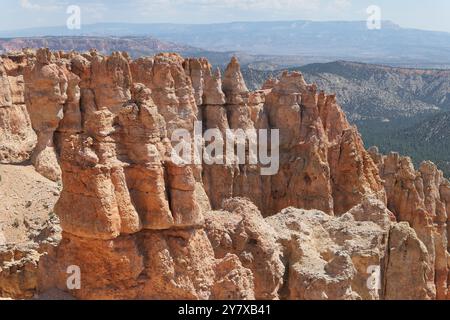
291	74
43	55
234	60
218	73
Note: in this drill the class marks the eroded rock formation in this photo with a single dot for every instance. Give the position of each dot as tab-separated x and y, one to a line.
140	225
17	138
420	198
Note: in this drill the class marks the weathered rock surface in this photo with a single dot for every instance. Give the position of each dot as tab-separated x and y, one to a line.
46	84
123	195
322	163
151	265
19	266
420	198
19	262
405	249
17	138
28	227
330	258
240	229
308	254
140	225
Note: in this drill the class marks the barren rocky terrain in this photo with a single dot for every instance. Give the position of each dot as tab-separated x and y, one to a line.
336	221
27	224
26	203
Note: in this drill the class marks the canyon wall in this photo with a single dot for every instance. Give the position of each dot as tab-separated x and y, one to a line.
333	222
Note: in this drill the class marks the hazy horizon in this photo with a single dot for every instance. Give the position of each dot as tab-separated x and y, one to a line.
219	23
27	14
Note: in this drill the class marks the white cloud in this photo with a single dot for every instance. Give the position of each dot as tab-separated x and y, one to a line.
342	4
237	9
45	5
238	4
260	4
96	11
26	4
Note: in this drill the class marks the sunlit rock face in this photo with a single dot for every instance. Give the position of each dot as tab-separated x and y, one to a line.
421	198
17	137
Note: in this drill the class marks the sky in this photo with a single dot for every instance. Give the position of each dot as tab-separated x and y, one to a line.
420	14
